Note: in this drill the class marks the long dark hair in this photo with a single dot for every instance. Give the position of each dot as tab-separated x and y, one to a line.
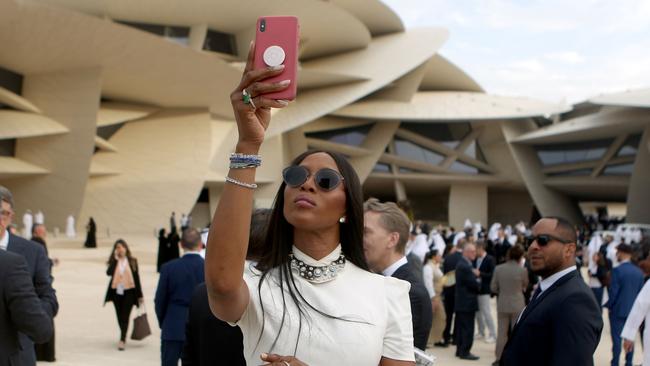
111	257
279	240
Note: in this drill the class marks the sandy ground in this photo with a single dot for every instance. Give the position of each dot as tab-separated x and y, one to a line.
87	332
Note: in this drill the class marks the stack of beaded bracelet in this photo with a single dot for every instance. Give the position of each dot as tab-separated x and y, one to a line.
244	161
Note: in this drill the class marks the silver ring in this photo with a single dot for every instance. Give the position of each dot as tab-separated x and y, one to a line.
252	104
286	363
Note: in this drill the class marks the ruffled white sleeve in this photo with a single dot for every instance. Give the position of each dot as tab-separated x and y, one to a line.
427	277
398	339
639	311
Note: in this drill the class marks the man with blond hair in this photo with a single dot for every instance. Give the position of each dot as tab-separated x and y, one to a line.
386	230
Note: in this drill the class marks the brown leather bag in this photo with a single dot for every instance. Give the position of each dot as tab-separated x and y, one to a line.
141	327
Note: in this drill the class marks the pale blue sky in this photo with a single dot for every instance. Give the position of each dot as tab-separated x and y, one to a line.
553	50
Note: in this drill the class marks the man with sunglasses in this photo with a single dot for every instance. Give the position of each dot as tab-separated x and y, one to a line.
562	323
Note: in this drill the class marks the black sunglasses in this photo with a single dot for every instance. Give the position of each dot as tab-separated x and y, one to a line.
543	240
326	179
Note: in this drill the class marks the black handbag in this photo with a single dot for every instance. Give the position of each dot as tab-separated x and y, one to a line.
141	327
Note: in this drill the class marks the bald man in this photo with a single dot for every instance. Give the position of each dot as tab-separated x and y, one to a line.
562	323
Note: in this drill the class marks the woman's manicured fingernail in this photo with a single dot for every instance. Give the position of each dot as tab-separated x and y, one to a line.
285	82
264	355
283	102
278	67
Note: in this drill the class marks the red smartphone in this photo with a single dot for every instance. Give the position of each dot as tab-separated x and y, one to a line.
276	43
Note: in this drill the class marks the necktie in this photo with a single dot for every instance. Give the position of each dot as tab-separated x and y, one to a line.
538	290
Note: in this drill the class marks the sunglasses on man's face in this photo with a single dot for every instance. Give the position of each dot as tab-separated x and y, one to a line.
544	239
326	179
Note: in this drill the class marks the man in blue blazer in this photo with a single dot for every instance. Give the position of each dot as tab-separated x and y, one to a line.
38	266
626	283
178	278
561	325
20	310
467	289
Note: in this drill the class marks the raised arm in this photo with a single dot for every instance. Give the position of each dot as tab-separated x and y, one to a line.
228	238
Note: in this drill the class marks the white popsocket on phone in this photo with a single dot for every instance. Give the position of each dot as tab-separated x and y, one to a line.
274	56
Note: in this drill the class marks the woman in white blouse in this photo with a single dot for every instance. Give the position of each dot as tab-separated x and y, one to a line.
310	299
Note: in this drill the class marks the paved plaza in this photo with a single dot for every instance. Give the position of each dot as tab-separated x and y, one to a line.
87	332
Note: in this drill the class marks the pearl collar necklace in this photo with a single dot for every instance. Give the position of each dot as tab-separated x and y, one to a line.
317	271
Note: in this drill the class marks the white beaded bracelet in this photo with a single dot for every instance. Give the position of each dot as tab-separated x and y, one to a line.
241	184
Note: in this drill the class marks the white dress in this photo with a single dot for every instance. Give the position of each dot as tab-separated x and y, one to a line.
640	310
69	227
377	308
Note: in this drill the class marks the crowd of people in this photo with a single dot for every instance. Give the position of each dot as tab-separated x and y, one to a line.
323	277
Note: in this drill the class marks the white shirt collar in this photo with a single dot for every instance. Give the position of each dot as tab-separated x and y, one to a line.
393	267
4	242
549	281
325	261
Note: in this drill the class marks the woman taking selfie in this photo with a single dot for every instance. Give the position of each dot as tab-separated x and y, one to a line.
124	288
311	299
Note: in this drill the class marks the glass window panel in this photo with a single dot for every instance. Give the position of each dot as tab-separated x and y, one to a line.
572	173
408	171
106	132
381	167
439	131
620	169
8	147
220	42
409	150
594	154
572	152
349	136
630	146
471	150
551	157
11	81
461	167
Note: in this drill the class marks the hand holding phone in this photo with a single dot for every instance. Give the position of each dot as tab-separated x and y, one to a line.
276	43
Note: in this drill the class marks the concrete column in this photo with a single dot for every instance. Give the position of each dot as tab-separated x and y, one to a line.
197	36
400	190
378	138
638	195
549	202
71	97
468	202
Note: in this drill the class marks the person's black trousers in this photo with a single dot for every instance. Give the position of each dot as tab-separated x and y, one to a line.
449	297
170	352
46	351
123	305
464	331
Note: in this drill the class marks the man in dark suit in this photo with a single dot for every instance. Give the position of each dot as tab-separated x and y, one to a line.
210	341
626	283
562	323
467	289
178	278
449	291
485	264
38	266
500	246
386	230
20	310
